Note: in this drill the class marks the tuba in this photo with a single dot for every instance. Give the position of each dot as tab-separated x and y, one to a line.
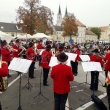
3	81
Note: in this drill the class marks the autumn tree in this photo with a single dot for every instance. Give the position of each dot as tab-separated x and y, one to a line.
69	26
34	17
97	31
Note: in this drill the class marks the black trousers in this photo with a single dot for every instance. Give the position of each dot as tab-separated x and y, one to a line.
74	66
45	75
60	101
31	70
94	80
108	94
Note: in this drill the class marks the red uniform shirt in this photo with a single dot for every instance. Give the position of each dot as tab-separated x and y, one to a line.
61	75
94	58
78	53
107	60
39	46
16	54
45	59
4	70
31	54
6	55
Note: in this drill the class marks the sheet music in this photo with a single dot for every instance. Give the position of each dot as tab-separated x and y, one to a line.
21	65
85	57
97	66
54	61
91	66
88	66
71	56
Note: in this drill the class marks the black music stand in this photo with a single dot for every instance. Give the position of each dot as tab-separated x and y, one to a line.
85	81
19	75
28	85
19	108
40	92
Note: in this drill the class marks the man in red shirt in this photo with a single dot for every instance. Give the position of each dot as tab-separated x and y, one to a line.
75	64
31	55
40	45
61	75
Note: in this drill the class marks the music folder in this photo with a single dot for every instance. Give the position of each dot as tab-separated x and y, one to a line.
20	65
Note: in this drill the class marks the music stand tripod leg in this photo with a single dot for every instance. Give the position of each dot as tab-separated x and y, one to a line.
28	85
19	108
40	93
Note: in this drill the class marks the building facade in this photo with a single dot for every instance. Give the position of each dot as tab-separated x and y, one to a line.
105	33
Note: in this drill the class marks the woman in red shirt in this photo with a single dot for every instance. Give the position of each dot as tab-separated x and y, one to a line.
6	53
95	74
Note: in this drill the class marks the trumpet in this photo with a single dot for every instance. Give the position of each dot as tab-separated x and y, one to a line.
11	48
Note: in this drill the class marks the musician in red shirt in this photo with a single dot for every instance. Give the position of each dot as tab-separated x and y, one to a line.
107	63
18	48
45	59
6	53
75	64
40	45
61	75
95	74
31	55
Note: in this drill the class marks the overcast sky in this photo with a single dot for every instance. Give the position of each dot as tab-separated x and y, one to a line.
89	12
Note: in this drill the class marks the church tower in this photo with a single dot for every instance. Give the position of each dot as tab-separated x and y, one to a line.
66	12
59	17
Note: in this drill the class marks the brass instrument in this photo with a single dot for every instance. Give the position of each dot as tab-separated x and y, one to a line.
3	83
23	49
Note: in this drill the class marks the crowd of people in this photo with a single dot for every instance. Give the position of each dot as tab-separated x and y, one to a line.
61	73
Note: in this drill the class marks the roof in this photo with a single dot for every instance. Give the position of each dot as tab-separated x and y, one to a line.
9	27
79	23
103	28
89	32
58	28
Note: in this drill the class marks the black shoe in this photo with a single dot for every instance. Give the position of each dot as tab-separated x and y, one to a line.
46	84
32	77
9	75
104	86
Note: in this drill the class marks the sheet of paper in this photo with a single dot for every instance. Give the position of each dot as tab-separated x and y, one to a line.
97	66
88	66
85	57
71	56
21	65
54	62
40	51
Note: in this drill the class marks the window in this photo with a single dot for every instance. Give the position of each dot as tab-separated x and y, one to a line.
12	34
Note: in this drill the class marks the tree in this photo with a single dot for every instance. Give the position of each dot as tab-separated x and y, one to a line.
69	26
97	31
33	17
